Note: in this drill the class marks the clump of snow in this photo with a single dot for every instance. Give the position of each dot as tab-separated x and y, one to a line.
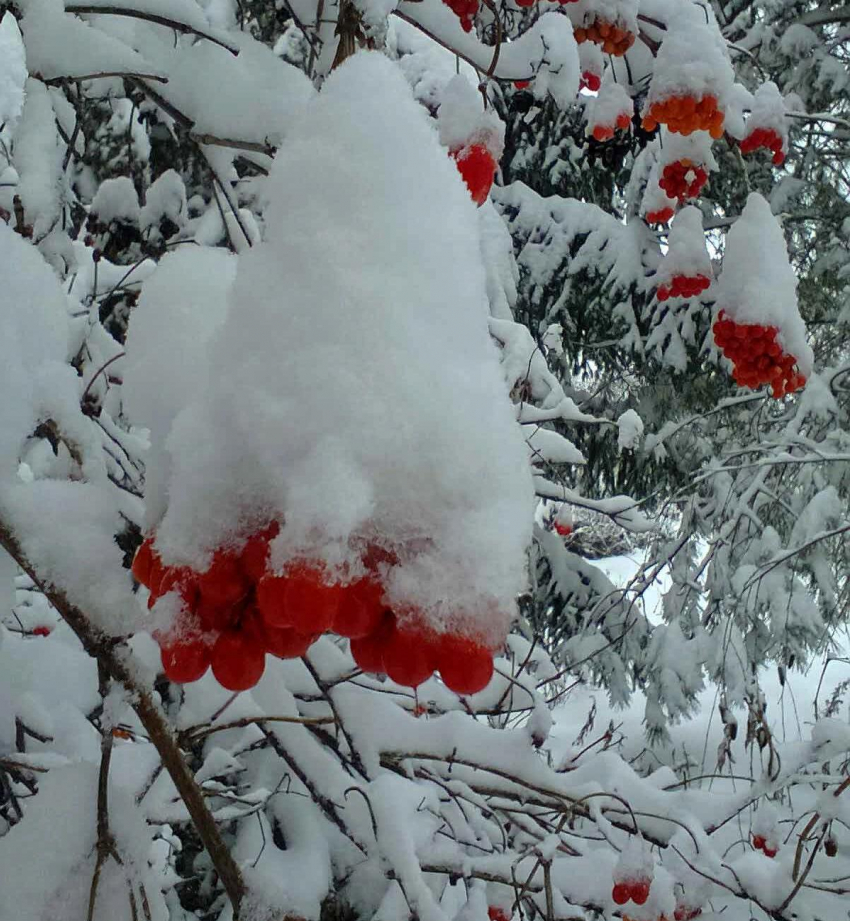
354	389
686	250
768	111
629	430
618	12
695	147
13	70
182	305
693	59
165	198
116	200
610	102
462	119
758	285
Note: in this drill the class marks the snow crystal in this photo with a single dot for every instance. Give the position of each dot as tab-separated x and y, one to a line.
354	387
758	285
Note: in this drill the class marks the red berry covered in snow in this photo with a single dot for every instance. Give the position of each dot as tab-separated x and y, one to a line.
683	286
563	529
522	84
310	598
477	168
758	842
590	81
465	10
686	913
360	609
224	584
770	851
410	654
494	913
41	630
640	891
767	139
661	216
255	553
144	562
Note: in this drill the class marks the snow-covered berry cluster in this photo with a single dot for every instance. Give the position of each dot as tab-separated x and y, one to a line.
766	138
590	81
757	356
606	132
766	844
684	286
683	179
635	890
685	114
238	610
659	215
612	38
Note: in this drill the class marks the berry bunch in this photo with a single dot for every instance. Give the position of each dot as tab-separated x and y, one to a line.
769	847
636	890
590	81
237	611
564	530
757	356
686	114
683	179
606	132
477	167
614	40
409	652
661	216
494	913
683	286
466	11
766	138
40	630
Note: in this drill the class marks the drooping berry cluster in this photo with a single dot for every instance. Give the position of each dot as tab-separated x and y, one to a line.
465	10
765	844
614	39
757	356
683	180
477	166
590	81
765	138
606	132
636	890
661	216
237	611
685	114
683	286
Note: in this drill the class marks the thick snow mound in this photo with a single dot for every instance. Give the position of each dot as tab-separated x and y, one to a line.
354	388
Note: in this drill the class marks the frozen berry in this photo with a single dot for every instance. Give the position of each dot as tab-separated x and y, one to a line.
255	553
360	609
310	599
286	643
143	562
477	168
410	654
368	651
41	630
621	893
758	842
640	891
223	584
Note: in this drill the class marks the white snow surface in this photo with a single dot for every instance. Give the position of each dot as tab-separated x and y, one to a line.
354	388
686	250
116	200
13	70
758	285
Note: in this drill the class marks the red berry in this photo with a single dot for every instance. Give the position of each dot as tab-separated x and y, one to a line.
640	891
311	601
477	169
494	913
237	660
563	529
621	893
41	630
360	609
271	601
223	585
522	84
143	562
184	659
466	667
770	851
368	651
255	553
178	579
410	654
758	842
285	643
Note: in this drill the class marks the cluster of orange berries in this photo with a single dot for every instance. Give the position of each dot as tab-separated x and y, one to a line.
465	10
661	216
237	611
683	179
757	356
614	39
606	132
686	114
477	166
766	138
683	286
